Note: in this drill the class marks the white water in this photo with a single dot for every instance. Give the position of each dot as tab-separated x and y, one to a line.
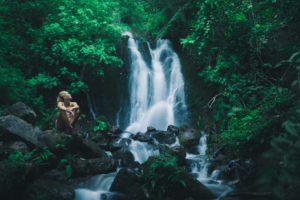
157	99
199	167
156	93
96	186
157	90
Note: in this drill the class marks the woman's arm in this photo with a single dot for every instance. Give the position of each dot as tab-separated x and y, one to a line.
74	105
60	106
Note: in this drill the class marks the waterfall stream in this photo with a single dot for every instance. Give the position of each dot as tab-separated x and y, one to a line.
157	99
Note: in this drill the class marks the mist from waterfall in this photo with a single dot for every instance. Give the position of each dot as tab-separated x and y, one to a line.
157	95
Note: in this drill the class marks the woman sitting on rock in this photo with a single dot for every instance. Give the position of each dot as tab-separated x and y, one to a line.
68	111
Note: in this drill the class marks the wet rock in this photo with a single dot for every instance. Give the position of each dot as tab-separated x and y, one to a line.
116	130
22	111
91	149
114	145
125	159
173	129
189	138
49	189
55	174
19	146
164	137
84	167
150	129
124	143
143	137
129	183
16	129
235	170
114	196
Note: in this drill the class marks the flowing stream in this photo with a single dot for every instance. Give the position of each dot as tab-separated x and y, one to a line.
157	99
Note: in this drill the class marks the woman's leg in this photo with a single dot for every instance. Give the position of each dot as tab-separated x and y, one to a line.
74	117
64	120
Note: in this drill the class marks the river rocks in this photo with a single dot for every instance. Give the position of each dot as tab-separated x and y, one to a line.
173	129
49	189
150	129
125	159
189	138
91	149
129	183
84	167
142	137
22	111
116	130
164	137
114	196
16	128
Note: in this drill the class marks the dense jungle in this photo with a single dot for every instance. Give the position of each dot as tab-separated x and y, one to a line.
235	67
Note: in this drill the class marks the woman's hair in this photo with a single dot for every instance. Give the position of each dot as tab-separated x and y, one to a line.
61	96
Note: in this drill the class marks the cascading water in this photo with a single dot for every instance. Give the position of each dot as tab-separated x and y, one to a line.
199	167
157	91
95	187
157	99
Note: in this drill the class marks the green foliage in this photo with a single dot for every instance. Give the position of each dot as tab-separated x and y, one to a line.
163	176
101	126
65	164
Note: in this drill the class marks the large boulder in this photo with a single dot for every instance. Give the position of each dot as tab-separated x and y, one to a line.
142	137
125	158
22	111
13	175
173	129
49	189
164	137
189	138
19	146
84	167
17	129
128	183
184	186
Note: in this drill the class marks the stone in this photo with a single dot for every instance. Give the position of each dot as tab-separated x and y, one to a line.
173	129
189	138
19	146
92	149
164	137
128	183
84	167
49	189
114	196
143	137
116	130
22	111
125	159
150	129
16	128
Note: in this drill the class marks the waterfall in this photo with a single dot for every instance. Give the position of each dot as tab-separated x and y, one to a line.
156	89
199	167
95	187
